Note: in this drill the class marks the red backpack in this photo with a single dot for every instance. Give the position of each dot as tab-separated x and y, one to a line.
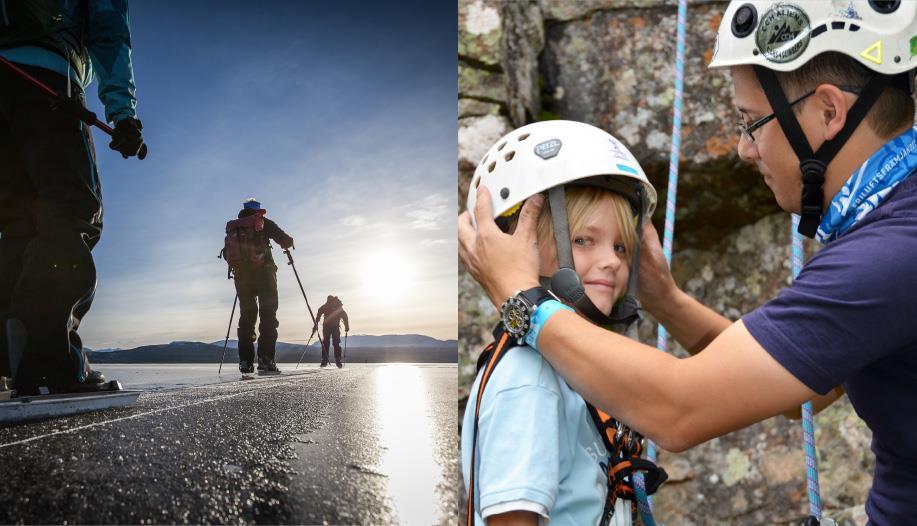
244	244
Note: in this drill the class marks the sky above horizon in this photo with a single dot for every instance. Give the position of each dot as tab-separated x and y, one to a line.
339	117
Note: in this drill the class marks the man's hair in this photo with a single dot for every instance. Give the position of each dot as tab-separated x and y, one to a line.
893	111
581	201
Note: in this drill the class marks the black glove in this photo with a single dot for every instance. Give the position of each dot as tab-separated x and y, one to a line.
127	138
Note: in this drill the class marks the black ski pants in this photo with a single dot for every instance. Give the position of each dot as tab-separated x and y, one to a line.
331	332
50	219
257	290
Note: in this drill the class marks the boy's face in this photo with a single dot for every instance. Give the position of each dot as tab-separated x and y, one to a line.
771	151
599	256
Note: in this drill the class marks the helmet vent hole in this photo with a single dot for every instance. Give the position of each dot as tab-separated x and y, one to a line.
484	161
502	145
838	25
476	183
854	28
819	30
885	6
509	156
523	137
755	52
491	167
744	21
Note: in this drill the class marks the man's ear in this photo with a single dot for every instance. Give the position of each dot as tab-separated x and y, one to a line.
832	105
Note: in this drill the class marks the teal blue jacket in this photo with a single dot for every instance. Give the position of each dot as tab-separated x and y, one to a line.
107	44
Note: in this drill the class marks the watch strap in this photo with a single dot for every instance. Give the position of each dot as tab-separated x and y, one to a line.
535	296
541	315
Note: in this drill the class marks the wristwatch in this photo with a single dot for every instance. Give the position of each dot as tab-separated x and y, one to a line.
516	312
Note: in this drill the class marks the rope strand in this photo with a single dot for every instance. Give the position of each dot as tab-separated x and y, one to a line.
808	420
644	502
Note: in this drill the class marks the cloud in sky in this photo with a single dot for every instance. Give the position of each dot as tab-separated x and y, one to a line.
337	138
430	213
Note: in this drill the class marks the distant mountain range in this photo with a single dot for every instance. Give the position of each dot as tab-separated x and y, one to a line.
360	348
364	340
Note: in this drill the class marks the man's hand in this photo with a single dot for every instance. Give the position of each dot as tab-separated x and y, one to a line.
655	284
501	263
127	138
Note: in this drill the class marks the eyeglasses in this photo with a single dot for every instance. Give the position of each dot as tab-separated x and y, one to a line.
746	130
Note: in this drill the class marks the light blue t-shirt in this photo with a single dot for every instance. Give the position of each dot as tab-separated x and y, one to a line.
536	444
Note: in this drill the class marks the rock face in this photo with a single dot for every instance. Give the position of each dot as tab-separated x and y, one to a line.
611	63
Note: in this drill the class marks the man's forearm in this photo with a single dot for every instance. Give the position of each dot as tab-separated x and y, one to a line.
678	403
690	322
621	376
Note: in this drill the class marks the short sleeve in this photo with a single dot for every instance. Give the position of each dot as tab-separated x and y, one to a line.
519	453
852	305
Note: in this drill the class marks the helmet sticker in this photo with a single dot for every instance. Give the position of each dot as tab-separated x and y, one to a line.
548	149
848	11
873	53
617	150
783	33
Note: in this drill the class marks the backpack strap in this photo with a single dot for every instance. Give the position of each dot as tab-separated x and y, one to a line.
489	359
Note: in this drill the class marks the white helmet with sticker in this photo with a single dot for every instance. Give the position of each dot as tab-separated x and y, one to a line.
542	155
782	36
546	156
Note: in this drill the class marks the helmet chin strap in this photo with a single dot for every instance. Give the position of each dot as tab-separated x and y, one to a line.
814	164
568	285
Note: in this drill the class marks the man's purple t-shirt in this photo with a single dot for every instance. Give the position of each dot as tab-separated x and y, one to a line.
851	318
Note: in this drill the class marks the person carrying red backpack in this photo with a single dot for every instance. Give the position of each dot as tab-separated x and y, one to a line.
247	250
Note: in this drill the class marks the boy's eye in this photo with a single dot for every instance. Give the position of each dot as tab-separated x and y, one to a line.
620	248
582	241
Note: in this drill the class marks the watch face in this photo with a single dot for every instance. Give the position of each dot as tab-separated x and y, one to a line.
515	315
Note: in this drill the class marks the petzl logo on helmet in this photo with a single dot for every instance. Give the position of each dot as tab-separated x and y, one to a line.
548	149
783	33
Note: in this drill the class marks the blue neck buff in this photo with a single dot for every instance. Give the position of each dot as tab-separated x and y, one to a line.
869	186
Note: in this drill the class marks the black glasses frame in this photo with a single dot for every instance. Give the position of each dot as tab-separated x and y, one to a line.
747	130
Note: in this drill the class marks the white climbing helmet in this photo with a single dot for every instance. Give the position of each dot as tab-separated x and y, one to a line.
784	35
542	155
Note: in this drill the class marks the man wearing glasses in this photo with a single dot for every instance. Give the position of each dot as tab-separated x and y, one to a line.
838	83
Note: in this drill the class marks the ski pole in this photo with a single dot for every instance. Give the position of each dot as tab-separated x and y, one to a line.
290	262
87	116
301	356
226	341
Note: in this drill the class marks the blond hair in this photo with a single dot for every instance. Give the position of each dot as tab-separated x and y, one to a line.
581	201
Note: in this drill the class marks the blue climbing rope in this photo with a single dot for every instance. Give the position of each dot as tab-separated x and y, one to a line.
644	503
808	421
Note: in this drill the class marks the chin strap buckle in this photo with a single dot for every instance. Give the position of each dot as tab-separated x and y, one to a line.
813	199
